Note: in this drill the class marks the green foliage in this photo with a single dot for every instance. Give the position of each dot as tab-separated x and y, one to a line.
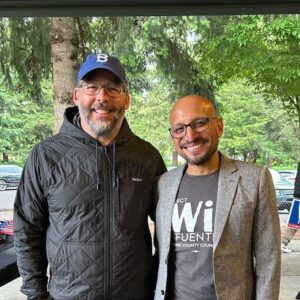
23	123
148	117
9	123
264	50
96	35
170	43
166	58
254	129
25	55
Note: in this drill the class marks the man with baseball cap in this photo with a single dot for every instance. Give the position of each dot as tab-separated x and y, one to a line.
84	199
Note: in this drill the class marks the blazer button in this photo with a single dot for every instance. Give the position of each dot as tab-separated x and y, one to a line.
162	292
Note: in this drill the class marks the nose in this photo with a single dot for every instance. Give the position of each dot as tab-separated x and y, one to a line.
190	133
102	94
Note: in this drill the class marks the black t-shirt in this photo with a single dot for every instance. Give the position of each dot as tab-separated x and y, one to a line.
190	272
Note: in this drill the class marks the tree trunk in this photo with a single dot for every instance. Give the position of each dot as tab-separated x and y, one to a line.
269	161
64	55
255	155
174	159
4	157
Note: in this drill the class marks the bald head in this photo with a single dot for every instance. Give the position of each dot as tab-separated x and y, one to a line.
189	107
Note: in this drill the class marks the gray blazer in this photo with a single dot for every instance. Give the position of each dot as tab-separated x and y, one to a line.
246	251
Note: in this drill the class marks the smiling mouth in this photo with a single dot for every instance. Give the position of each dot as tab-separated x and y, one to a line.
103	108
101	111
194	146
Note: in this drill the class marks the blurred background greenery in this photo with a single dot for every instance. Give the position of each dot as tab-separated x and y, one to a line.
250	65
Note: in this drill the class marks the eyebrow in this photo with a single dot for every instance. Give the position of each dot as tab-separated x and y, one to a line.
199	118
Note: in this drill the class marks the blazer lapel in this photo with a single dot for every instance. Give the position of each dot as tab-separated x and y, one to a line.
168	197
228	181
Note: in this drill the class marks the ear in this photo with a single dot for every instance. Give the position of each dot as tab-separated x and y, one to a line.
220	127
76	96
127	101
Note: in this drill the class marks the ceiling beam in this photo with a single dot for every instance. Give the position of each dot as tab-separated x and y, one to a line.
34	8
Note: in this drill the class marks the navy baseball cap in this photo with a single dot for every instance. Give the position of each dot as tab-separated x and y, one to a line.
102	61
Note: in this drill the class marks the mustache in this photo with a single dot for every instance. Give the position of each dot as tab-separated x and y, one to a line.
105	106
194	142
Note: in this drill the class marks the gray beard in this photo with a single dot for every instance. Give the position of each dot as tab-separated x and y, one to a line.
104	129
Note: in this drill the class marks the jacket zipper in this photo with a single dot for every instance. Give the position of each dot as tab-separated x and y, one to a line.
108	226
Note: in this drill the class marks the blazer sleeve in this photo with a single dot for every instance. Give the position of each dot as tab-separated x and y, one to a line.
266	240
30	225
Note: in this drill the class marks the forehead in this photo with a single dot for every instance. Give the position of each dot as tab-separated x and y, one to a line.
189	109
101	75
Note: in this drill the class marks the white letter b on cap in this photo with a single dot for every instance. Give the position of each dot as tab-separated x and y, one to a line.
102	58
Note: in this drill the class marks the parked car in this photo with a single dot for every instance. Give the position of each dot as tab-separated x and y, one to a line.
9	176
284	190
290	175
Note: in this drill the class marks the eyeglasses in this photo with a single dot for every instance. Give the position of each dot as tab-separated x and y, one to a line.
112	89
197	125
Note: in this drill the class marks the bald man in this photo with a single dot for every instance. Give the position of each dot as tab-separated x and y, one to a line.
217	223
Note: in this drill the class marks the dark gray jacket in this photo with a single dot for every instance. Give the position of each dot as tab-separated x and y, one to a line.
83	210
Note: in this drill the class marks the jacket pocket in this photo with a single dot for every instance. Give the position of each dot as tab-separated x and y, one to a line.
134	201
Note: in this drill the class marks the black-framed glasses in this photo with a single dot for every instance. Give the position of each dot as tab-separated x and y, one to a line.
112	89
197	125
